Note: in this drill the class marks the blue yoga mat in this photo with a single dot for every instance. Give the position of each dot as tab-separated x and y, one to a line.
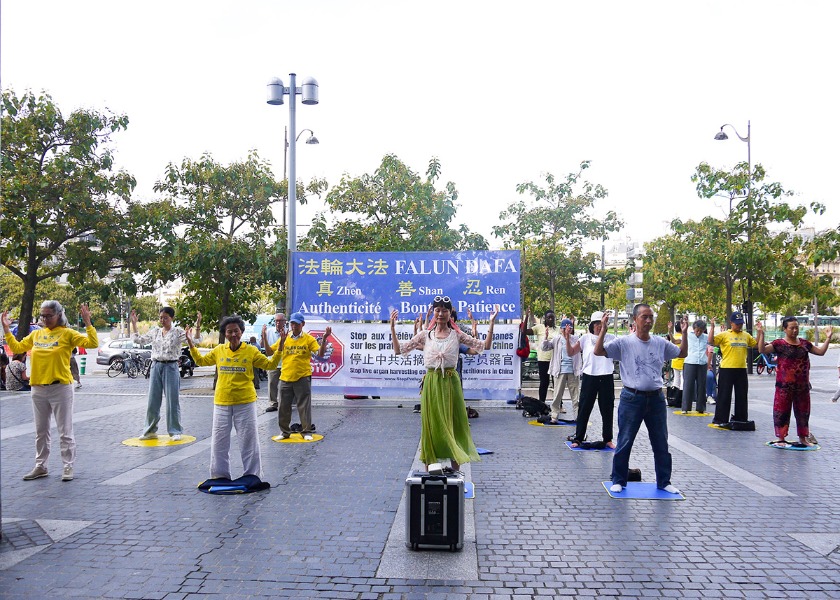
483	451
636	490
469	490
569	446
792	447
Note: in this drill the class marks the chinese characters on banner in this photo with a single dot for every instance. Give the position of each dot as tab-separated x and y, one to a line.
360	360
367	286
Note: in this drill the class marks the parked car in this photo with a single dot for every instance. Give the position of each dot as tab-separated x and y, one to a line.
115	349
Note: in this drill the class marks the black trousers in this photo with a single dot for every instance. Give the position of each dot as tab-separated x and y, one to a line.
542	365
729	379
602	387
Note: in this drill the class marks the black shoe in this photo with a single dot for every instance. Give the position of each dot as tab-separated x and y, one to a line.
271	409
417	408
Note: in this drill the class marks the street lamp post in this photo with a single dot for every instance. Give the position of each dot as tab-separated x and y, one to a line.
310	140
748	303
309	95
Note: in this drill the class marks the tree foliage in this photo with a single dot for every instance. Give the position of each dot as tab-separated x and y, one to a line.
704	266
229	244
65	211
392	209
551	229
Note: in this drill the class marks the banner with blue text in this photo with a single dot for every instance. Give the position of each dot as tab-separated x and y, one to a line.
367	286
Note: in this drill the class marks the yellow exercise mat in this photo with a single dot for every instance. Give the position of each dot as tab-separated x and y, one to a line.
562	423
163	440
713	426
297	438
693	413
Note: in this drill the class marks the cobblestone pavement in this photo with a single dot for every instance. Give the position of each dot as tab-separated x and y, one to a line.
756	523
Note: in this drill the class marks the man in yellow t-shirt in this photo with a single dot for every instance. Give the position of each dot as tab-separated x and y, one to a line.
545	332
296	348
733	369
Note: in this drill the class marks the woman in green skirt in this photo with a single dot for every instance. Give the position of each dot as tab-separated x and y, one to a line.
445	432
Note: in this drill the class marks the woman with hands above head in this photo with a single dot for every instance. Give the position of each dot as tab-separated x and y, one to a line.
51	380
792	379
164	377
235	399
444	430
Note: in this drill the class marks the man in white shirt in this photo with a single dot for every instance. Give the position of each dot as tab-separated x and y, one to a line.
641	358
269	339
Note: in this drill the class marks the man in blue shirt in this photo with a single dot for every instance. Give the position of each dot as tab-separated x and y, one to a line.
641	357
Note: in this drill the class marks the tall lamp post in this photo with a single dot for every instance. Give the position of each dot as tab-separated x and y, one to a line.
748	303
310	140
309	95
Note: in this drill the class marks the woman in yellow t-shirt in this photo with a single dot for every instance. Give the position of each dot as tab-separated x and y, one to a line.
51	380
235	400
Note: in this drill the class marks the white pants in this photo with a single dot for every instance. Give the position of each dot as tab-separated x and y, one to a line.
48	400
678	379
243	417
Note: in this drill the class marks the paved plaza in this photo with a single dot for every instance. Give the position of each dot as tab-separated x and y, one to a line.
757	522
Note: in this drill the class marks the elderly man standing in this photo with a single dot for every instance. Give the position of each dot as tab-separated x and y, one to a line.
734	351
641	358
270	338
297	348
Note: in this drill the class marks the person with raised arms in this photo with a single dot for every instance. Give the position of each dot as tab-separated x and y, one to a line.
641	357
444	428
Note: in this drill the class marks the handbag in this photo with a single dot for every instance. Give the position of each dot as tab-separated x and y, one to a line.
523	347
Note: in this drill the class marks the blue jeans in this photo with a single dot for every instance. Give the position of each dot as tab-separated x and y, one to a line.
632	410
164	378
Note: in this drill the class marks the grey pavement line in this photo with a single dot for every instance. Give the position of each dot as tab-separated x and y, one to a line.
398	562
56	530
79	417
737	474
824	543
150	468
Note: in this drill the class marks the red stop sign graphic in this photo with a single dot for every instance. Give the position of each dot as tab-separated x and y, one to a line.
334	355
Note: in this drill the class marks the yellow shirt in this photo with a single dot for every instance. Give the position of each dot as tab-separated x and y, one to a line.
677	363
733	348
539	333
51	350
296	355
235	384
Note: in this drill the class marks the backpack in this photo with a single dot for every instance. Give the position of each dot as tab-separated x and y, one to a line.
523	347
532	407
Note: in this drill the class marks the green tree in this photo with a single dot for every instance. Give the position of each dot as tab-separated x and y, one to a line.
551	230
392	209
754	243
65	211
229	244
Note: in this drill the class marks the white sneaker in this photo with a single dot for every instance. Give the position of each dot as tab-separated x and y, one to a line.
67	474
670	489
176	437
307	437
148	436
78	385
616	488
710	400
36	473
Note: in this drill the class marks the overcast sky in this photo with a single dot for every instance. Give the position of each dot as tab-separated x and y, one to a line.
500	92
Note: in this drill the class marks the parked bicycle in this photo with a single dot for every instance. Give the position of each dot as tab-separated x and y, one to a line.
131	365
765	361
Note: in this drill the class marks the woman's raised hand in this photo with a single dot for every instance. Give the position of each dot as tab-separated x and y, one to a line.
84	312
394	316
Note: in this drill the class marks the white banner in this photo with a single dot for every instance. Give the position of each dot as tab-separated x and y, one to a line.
361	361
